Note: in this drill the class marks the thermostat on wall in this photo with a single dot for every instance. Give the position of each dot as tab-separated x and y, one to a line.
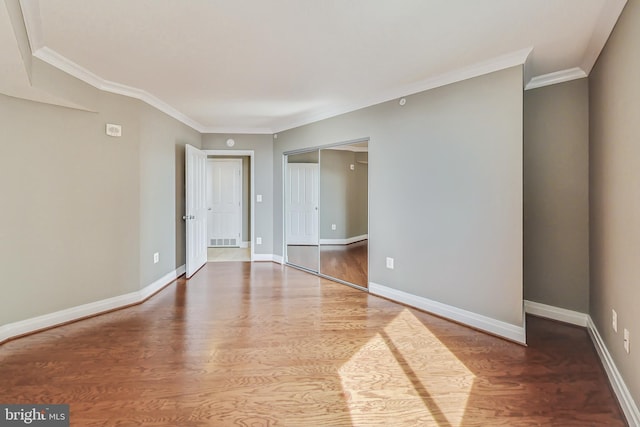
114	130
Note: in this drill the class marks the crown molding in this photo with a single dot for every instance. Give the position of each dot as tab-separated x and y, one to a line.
498	63
31	14
236	131
54	59
555	78
609	15
32	23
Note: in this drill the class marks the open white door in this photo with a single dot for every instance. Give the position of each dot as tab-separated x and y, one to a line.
196	209
301	200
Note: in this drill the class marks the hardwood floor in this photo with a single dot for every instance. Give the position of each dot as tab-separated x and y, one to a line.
258	344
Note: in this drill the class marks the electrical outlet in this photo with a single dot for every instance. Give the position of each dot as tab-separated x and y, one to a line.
333	226
626	340
156	258
614	320
390	263
258	240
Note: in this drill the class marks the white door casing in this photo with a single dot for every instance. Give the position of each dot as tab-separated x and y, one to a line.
224	202
301	200
195	209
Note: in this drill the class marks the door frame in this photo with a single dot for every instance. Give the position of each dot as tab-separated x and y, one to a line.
252	189
210	162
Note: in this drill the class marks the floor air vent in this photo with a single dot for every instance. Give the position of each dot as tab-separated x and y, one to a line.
223	243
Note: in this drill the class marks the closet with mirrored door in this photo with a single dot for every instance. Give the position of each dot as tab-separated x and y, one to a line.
326	205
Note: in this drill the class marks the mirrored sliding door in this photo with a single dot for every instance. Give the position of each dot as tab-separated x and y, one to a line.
344	214
327	212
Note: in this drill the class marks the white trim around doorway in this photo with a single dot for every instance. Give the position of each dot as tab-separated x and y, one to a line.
251	155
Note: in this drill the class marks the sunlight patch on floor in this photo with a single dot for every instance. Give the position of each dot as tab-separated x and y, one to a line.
405	375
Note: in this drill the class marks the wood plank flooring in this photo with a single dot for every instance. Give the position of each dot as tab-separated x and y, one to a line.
258	344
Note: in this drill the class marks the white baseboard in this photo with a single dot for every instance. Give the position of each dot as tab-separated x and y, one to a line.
629	406
556	313
346	241
244	245
263	257
478	321
46	321
278	259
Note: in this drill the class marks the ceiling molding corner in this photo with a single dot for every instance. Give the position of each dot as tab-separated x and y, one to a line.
62	63
32	23
555	78
609	15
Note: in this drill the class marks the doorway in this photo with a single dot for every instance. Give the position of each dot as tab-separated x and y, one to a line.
224	203
244	251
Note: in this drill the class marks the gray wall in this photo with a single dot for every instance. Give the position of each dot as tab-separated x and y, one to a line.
556	195
343	195
445	176
161	146
83	213
614	91
262	146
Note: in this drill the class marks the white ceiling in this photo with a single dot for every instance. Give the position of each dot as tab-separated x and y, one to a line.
262	66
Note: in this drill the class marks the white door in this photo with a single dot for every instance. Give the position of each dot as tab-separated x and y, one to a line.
224	202
196	209
301	199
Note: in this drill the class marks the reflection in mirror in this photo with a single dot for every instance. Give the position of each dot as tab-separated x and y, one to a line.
301	209
344	215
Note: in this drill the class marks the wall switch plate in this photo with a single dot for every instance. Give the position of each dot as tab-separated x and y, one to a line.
352	167
156	258
626	340
614	320
390	263
258	240
333	226
259	198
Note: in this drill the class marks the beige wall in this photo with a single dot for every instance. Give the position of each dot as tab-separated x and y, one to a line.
82	212
614	90
556	195
161	145
445	191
